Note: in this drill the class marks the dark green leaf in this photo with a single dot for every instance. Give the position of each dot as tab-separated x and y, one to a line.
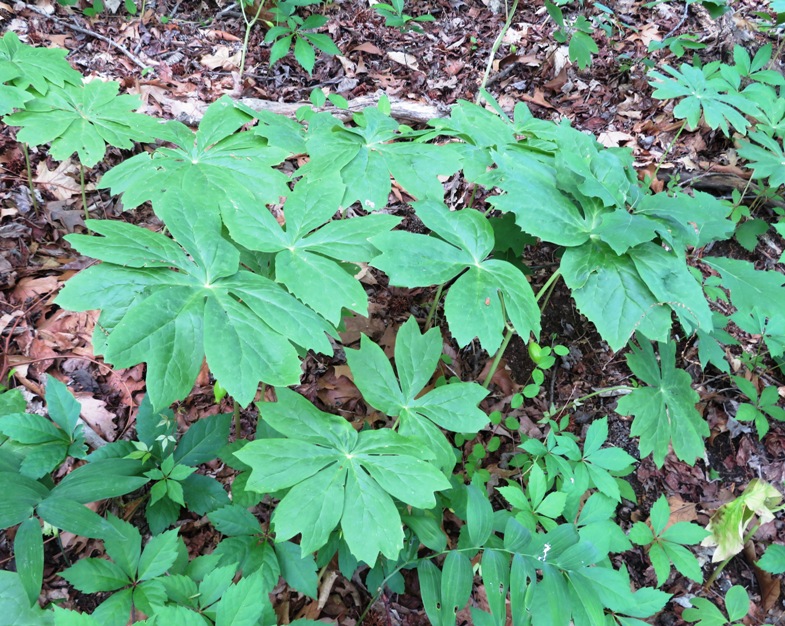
29	557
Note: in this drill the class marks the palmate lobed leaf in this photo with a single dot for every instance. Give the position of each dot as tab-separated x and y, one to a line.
307	252
216	166
83	119
11	96
364	157
766	156
665	412
338	476
452	407
473	305
705	94
39	67
246	325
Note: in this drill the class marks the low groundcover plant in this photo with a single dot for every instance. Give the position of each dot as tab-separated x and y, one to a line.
228	283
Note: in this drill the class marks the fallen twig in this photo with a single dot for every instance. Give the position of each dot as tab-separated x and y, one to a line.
402	110
91	33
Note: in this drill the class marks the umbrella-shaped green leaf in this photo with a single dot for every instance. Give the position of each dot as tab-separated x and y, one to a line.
476	303
337	477
245	324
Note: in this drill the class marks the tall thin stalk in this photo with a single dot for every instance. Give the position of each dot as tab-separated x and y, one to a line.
30	177
84	195
434	306
510	331
496	45
249	24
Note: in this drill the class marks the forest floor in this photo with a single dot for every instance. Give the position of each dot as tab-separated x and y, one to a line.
193	48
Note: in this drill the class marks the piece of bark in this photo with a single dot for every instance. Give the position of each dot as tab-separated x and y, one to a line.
405	111
723	184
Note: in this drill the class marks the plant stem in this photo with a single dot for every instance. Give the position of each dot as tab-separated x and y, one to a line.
548	284
434	306
30	178
508	333
495	49
84	195
718	570
248	27
668	149
599	392
236	417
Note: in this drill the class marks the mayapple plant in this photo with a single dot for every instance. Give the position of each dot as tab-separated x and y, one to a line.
252	291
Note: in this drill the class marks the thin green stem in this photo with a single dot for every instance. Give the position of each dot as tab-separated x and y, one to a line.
495	49
668	149
508	333
471	200
434	306
553	278
775	56
599	392
248	28
84	195
236	417
30	177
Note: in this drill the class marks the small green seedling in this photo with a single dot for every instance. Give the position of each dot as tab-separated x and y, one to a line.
761	408
395	17
705	612
666	543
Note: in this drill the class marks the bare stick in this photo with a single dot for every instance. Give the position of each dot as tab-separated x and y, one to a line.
92	33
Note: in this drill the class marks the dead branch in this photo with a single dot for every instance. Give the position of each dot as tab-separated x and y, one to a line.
406	111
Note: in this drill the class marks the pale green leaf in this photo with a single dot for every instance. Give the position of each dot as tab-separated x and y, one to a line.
83	119
370	522
298	571
159	555
665	412
29	557
773	560
609	291
242	604
95	575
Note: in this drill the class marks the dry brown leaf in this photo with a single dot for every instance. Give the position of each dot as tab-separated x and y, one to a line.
96	415
221	35
770	586
538	98
408	60
57	182
681	511
127	382
28	287
368	47
222	58
614	138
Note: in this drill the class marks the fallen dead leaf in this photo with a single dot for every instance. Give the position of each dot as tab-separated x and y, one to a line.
57	181
368	47
614	138
770	586
408	60
96	415
538	98
28	288
222	58
681	511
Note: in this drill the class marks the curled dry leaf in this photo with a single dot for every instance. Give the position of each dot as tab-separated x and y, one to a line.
221	59
59	181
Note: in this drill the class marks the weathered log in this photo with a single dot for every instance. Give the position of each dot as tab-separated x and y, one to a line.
405	111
